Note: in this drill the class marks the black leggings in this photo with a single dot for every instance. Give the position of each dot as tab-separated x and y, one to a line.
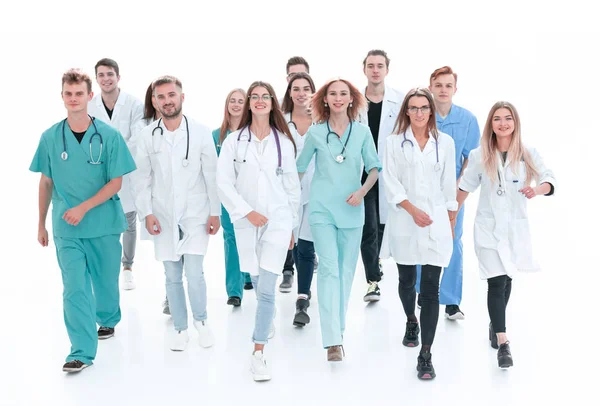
430	297
499	289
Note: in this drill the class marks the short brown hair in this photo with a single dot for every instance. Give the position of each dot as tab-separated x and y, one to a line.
296	60
107	62
377	52
445	70
163	80
75	76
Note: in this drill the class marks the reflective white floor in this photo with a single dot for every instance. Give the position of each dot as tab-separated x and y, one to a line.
552	347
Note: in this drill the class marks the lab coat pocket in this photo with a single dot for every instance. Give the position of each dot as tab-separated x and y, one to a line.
441	228
483	233
401	224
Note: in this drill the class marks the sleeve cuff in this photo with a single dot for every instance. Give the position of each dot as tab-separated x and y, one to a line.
452	205
397	199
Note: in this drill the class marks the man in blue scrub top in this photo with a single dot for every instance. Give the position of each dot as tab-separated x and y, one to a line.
462	126
82	162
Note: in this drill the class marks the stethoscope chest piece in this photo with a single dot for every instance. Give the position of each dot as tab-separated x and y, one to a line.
64	155
185	163
500	192
437	167
339	159
279	171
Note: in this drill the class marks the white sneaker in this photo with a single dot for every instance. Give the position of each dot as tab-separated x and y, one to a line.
127	280
179	340
258	365
271	331
205	335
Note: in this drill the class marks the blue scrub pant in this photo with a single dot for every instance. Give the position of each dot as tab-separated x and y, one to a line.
234	278
90	273
338	250
452	276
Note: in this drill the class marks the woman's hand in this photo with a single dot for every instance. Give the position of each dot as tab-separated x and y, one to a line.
355	198
257	219
420	218
529	192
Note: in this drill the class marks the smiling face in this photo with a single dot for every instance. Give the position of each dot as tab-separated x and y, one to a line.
261	101
300	92
338	97
235	104
169	100
76	97
419	112
503	123
107	79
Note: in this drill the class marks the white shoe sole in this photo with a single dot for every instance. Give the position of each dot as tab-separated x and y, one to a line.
128	286
84	366
285	290
371	298
455	316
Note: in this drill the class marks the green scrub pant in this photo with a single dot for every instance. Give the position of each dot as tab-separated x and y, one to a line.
234	278
338	250
90	274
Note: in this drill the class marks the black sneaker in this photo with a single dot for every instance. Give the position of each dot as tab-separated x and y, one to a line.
411	336
288	281
425	368
504	356
248	286
493	338
373	293
74	366
301	318
234	301
453	312
380	269
105	332
166	309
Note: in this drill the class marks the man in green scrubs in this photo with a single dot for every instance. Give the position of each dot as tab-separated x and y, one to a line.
82	162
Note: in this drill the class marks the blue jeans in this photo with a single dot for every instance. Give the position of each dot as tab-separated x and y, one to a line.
264	286
304	257
452	276
194	273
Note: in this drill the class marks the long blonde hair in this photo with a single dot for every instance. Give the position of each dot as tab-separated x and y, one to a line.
516	151
226	124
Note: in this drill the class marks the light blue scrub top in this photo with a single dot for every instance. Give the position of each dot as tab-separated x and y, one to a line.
333	182
462	126
76	180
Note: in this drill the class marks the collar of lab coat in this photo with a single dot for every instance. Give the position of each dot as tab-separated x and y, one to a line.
120	100
180	132
389	100
429	146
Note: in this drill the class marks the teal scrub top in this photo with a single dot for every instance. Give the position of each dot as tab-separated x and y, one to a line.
76	180
333	182
462	126
215	135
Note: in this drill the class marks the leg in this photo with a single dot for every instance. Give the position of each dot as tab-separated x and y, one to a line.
103	254
288	273
430	285
305	260
175	293
79	307
497	300
194	273
264	284
328	283
369	246
234	280
407	277
452	278
129	240
348	241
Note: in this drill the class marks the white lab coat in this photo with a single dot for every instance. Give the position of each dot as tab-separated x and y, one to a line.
139	126
303	230
409	174
501	231
180	197
392	102
254	186
127	112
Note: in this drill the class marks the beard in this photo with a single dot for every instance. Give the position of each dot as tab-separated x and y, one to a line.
176	112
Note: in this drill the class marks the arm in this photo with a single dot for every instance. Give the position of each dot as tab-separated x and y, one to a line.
472	142
209	172
135	126
45	195
372	167
471	178
75	215
546	182
449	182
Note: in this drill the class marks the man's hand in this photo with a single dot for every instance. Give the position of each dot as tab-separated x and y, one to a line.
213	225
152	225
43	236
75	215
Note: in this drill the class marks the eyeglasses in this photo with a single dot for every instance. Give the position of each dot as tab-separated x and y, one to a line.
424	109
264	97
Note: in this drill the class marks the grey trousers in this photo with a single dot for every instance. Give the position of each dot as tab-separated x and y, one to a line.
129	240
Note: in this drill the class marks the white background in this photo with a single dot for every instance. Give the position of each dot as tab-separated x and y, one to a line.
542	58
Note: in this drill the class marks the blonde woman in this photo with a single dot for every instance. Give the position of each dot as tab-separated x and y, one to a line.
235	281
505	170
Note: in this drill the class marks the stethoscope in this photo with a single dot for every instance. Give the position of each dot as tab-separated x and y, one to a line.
279	170
64	154
437	166
185	161
342	156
